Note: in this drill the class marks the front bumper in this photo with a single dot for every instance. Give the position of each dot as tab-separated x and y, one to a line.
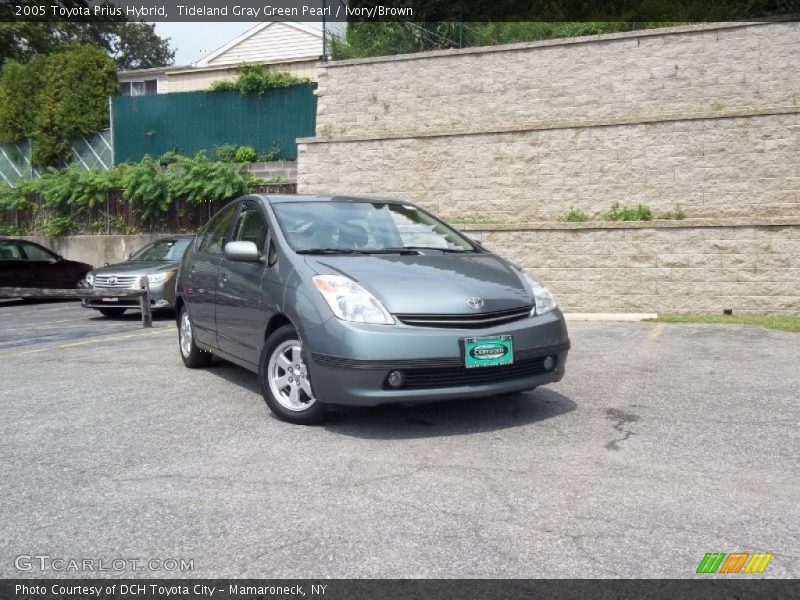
162	295
430	360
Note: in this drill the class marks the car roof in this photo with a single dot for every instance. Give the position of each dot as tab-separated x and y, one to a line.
285	198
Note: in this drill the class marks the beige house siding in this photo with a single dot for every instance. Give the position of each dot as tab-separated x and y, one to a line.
275	42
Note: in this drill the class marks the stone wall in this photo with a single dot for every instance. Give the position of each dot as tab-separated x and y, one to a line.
96	250
706	116
708	266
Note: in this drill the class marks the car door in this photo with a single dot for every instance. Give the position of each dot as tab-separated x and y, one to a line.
13	270
241	314
45	268
200	281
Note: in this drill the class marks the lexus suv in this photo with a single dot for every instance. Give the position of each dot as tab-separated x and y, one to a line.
351	301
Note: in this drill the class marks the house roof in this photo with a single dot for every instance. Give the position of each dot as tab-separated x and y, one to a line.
302	27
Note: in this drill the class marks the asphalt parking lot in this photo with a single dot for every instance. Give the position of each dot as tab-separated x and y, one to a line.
662	443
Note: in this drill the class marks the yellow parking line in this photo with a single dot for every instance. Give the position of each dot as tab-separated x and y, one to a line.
656	331
94	341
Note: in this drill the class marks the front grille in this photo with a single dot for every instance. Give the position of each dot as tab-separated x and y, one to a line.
418	379
467	321
117	282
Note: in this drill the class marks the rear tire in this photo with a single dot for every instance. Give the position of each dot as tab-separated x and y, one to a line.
111	312
285	381
193	356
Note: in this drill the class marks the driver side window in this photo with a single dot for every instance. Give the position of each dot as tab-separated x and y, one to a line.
250	226
34	252
215	235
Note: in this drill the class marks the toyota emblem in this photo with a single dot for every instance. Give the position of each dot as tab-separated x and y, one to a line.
112	281
475	302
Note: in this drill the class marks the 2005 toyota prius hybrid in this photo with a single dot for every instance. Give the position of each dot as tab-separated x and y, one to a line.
352	301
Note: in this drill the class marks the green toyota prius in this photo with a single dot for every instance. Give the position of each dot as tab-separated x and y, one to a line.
352	301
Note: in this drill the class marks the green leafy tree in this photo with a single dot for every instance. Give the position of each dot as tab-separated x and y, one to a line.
20	85
133	45
72	104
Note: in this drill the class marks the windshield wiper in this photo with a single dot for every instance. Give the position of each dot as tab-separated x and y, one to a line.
330	251
454	250
364	252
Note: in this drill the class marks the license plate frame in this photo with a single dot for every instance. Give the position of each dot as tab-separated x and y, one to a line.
476	357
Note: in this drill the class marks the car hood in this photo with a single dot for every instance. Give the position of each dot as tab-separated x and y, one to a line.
147	267
432	284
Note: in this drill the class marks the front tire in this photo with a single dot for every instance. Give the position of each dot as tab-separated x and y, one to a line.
285	381
193	356
111	312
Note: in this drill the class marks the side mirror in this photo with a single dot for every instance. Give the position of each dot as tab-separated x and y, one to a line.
242	252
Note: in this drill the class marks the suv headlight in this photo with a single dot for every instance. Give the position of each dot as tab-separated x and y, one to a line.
351	302
160	277
542	298
89	279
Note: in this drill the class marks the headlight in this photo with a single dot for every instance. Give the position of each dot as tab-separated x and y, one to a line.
542	298
90	278
160	277
351	302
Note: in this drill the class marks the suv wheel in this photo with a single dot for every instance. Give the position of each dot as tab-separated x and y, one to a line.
285	381
193	356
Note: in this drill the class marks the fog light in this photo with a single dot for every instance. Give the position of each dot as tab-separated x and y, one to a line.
549	363
396	379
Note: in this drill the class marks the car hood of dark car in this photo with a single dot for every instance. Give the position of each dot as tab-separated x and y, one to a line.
142	267
432	284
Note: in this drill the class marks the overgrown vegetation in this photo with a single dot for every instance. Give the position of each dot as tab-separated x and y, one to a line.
246	154
780	322
255	80
363	39
640	212
150	188
575	215
52	99
677	214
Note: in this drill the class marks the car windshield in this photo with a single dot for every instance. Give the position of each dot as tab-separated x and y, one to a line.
365	228
165	250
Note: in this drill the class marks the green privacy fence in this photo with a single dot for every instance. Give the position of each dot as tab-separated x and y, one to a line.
88	152
193	121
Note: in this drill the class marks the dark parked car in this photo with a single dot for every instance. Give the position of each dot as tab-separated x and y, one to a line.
28	264
158	261
338	300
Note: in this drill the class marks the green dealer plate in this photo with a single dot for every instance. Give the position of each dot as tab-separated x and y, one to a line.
488	351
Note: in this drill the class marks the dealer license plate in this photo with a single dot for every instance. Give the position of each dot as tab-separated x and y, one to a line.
488	351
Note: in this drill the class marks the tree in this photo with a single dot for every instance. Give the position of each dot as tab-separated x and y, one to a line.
70	103
20	85
133	45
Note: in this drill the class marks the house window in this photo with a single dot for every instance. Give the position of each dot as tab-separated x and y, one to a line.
147	87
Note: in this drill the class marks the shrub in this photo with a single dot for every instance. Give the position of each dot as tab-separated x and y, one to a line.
274	153
575	215
72	103
246	154
254	80
226	153
625	213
